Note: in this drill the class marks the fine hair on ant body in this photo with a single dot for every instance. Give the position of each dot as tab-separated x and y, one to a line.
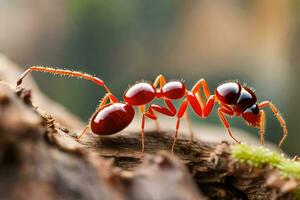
233	99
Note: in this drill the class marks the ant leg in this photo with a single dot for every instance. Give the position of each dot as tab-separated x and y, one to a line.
196	90
176	134
170	110
150	114
225	122
200	98
201	83
63	72
279	118
83	131
143	133
196	106
142	108
296	158
208	104
161	80
193	101
262	127
108	96
189	124
157	126
180	113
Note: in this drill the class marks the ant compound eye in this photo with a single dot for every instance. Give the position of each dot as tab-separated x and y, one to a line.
251	115
228	93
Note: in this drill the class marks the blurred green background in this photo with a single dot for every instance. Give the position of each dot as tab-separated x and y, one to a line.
125	41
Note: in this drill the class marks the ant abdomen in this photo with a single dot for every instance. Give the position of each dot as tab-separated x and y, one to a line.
112	118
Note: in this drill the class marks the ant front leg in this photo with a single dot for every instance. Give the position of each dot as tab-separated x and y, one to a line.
262	127
221	112
108	96
279	118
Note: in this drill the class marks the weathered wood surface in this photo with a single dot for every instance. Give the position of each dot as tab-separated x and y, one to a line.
40	158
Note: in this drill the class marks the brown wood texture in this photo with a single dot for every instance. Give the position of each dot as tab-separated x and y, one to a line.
40	158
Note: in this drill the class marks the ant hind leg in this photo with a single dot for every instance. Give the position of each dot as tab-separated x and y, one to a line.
108	96
83	131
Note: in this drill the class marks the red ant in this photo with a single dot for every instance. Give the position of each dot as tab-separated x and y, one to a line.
233	99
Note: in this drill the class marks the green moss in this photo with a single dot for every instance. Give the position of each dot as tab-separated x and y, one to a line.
255	156
290	169
260	156
297	194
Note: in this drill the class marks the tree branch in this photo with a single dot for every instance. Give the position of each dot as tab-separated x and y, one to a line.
41	159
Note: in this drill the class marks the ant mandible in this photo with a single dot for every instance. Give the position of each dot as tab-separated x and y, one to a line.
233	100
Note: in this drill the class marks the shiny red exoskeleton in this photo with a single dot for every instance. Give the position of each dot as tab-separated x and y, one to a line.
238	100
109	118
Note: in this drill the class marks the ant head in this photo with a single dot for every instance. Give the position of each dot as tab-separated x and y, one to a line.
139	94
252	115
